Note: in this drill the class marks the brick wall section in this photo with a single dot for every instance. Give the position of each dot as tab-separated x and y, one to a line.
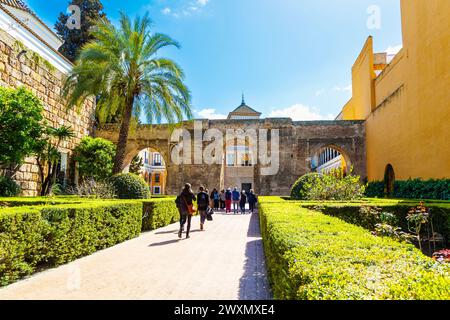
46	83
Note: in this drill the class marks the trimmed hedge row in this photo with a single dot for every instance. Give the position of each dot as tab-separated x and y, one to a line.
314	256
40	201
41	232
32	238
412	189
159	213
351	213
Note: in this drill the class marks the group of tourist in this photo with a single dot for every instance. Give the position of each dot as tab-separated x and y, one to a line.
225	198
216	200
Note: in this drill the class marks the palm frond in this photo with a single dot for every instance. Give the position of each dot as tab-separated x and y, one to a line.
121	64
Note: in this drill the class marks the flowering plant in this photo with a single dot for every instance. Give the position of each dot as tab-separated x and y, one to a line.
417	216
442	255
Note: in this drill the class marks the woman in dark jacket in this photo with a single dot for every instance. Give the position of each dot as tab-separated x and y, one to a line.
252	200
184	200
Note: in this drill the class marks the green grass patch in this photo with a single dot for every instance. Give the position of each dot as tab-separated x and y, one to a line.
314	256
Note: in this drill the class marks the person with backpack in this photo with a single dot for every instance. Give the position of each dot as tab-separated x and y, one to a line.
185	206
252	200
243	201
228	199
202	204
236	197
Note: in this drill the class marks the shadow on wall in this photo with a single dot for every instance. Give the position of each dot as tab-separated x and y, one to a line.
254	284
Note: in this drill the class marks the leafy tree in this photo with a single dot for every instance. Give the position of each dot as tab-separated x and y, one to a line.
95	158
122	67
48	157
20	124
74	39
136	164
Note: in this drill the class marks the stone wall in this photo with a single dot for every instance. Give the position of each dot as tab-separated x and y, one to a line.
299	142
46	83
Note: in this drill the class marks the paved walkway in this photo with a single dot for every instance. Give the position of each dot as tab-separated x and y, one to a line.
224	262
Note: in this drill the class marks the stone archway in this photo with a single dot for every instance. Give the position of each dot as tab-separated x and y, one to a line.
332	156
354	160
153	169
298	142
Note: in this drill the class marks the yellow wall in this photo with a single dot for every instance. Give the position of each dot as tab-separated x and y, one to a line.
161	183
362	83
409	126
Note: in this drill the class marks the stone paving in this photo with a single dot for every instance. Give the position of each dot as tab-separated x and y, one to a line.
226	261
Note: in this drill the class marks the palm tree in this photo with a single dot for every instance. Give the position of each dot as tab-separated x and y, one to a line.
121	67
47	155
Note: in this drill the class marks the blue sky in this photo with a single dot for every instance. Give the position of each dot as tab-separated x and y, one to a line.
290	57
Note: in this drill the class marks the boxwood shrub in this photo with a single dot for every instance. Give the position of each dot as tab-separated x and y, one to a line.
351	213
314	256
301	187
39	201
32	238
159	213
130	186
412	189
375	189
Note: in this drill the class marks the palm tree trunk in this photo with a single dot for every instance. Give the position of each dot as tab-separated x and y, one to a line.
123	137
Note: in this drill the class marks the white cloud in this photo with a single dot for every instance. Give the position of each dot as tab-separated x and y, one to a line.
320	92
189	8
299	112
210	113
393	50
166	11
346	88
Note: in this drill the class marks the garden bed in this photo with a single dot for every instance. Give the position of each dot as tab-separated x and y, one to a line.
311	255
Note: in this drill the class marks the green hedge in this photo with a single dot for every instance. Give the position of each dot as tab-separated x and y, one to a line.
159	213
32	238
351	213
314	256
413	189
40	201
375	189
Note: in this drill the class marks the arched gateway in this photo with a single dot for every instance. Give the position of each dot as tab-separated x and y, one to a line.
287	146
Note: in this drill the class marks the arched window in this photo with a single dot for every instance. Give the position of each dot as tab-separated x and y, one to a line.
389	179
